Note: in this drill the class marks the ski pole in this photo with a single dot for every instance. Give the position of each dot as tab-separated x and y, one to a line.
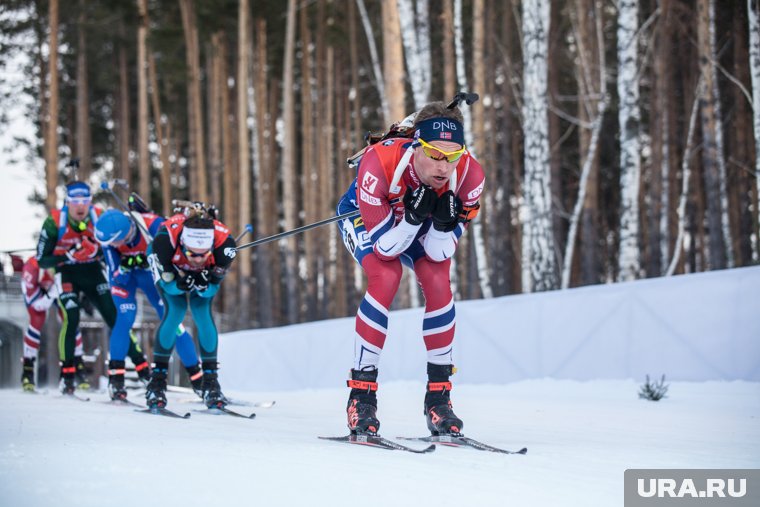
123	205
301	229
17	250
298	230
247	229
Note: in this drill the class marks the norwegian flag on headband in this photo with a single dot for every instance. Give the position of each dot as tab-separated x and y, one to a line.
445	135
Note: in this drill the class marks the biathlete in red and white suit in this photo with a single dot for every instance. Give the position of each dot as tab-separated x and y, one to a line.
416	197
189	256
124	240
40	292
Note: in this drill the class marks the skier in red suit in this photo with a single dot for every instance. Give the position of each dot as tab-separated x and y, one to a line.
40	292
416	197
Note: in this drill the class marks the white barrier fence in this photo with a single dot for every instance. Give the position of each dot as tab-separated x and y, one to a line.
692	327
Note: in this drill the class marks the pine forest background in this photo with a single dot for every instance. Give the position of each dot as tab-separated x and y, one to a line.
617	136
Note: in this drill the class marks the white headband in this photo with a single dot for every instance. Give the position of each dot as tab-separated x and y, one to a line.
202	239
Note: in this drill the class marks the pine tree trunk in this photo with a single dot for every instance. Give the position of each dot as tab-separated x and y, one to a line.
629	119
557	48
539	270
309	160
416	41
338	270
379	81
327	173
662	137
216	85
753	13
477	234
255	155
143	162
123	123
244	162
594	95
267	186
354	128
393	63
41	77
739	146
478	143
229	203
288	172
459	280
449	55
685	175
197	159
395	97
711	151
84	146
505	123
161	140
51	134
590	268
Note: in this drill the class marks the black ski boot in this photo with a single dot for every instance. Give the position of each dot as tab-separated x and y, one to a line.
68	373
362	402
81	374
441	419
135	353
212	391
195	374
143	371
155	392
116	389
27	375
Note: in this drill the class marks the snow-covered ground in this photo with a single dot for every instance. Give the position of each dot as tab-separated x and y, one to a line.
581	437
543	371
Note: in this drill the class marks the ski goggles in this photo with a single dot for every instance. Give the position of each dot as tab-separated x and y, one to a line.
195	255
431	151
79	200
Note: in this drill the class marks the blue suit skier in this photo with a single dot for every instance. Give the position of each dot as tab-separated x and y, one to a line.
124	245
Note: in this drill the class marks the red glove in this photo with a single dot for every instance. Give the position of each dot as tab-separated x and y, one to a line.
86	251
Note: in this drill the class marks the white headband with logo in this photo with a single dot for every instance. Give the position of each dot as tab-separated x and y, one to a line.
201	239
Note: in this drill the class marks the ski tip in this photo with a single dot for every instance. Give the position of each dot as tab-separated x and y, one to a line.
524	450
186	415
430	448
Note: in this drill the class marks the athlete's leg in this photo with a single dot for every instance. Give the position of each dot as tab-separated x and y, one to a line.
440	316
185	344
125	301
208	337
175	307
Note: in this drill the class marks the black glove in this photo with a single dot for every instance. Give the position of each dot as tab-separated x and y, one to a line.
446	212
201	280
186	282
418	204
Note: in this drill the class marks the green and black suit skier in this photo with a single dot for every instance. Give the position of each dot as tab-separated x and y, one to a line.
67	243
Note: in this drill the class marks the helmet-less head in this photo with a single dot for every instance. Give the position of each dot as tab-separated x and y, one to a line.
197	239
